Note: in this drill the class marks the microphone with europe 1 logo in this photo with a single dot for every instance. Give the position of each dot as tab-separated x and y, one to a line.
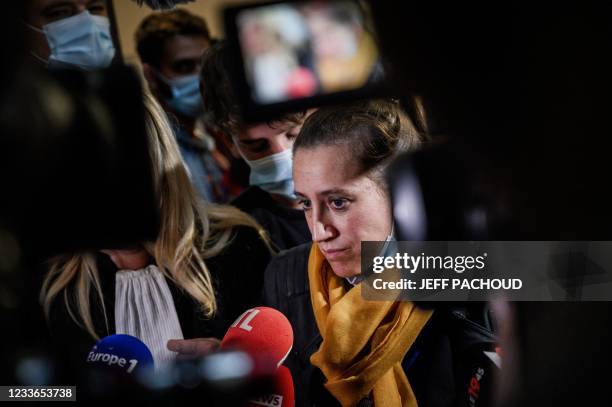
265	332
121	353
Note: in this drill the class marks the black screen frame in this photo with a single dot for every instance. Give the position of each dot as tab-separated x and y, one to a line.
254	112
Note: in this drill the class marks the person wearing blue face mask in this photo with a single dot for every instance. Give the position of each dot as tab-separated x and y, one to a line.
170	46
70	34
265	147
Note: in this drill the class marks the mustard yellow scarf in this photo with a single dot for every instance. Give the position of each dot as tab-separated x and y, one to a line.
364	342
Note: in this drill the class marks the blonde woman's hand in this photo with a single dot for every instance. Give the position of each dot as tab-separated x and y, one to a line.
193	348
133	259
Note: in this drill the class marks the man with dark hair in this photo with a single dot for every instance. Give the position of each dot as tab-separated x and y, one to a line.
266	147
170	46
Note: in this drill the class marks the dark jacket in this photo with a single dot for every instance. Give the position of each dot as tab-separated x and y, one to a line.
441	366
237	275
287	227
205	174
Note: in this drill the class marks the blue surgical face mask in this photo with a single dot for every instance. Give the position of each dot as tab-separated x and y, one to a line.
274	174
82	41
389	249
390	246
186	98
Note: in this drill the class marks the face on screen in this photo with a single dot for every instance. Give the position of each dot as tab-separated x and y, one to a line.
306	49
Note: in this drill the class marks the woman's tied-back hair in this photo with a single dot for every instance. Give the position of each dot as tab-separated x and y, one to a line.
190	232
373	131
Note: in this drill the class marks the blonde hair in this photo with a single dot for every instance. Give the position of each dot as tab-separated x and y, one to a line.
191	231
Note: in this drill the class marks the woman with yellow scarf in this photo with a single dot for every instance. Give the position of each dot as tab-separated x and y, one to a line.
349	351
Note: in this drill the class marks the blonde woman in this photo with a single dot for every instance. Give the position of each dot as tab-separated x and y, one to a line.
204	269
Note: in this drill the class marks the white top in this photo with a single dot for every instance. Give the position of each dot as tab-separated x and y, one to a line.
144	308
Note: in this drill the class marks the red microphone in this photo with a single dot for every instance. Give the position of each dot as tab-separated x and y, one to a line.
264	332
283	395
261	330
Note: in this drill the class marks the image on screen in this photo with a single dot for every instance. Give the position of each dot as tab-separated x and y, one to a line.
304	49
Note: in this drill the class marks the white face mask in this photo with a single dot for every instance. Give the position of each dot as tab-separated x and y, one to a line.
274	173
82	41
